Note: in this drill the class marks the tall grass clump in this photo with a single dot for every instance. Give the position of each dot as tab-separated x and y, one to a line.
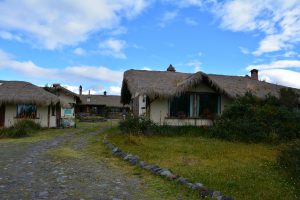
289	160
134	125
21	128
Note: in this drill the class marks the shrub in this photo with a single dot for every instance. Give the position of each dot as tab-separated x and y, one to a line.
289	159
251	119
136	125
22	128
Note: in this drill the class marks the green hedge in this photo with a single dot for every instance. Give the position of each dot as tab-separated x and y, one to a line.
251	119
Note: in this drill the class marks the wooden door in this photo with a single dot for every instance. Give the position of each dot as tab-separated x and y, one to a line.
58	115
2	115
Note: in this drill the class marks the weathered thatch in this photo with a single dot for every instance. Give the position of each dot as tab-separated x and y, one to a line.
151	83
56	89
20	92
104	100
165	84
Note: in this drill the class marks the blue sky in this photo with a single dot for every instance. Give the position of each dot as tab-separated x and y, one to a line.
93	42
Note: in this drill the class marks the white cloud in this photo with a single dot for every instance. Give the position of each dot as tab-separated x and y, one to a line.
114	90
30	69
281	76
280	72
167	18
187	3
53	24
196	64
279	21
113	47
25	67
280	64
190	21
79	51
290	54
95	73
146	68
244	50
9	36
91	90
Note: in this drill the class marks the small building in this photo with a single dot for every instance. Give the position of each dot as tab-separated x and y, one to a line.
23	100
100	105
67	110
174	98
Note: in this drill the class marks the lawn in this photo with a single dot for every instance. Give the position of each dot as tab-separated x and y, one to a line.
244	171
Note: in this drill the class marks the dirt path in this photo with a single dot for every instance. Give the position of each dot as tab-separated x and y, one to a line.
29	172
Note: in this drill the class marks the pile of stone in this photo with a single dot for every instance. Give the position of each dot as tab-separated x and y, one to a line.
167	173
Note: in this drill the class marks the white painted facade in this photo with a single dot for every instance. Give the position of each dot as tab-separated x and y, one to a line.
142	105
160	110
42	116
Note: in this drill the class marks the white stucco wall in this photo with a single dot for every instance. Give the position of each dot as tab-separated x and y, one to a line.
42	116
142	105
159	110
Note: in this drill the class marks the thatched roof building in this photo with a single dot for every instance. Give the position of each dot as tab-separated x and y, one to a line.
106	100
21	92
57	88
166	84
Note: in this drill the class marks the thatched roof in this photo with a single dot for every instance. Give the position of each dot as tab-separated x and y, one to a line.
105	100
20	92
165	84
59	88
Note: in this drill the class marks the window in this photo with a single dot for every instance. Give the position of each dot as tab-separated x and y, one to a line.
88	99
195	105
180	106
115	109
94	110
26	111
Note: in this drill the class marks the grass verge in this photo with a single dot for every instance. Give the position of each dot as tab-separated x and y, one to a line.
244	171
154	187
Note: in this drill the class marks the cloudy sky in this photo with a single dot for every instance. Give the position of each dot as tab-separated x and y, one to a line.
92	42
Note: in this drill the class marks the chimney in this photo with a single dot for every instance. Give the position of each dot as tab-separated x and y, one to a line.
89	92
80	90
171	68
254	74
104	93
55	85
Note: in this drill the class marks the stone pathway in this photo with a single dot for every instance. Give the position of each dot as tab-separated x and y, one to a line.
27	172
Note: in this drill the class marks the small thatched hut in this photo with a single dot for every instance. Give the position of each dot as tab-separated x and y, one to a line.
19	100
68	101
100	105
169	97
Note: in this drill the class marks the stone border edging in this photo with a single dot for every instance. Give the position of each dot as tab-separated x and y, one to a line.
155	169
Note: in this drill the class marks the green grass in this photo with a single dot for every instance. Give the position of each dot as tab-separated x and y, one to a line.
244	171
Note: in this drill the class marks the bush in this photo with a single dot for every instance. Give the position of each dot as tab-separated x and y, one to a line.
289	160
136	125
250	119
22	128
